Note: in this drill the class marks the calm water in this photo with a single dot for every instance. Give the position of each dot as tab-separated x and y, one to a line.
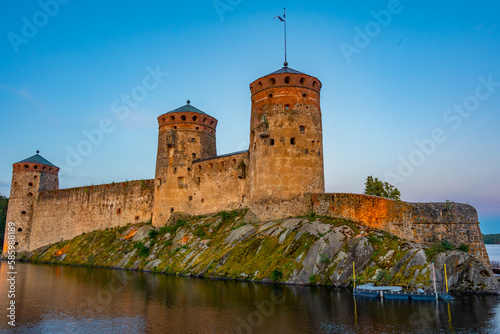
493	252
62	299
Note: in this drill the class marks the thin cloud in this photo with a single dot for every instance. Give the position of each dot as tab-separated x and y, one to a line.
23	94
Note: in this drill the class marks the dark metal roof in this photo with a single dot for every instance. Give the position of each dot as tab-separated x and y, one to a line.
37	159
286	69
187	108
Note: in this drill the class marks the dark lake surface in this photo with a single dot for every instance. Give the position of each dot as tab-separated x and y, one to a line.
63	299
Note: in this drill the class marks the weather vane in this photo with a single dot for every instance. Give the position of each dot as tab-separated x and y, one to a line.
283	19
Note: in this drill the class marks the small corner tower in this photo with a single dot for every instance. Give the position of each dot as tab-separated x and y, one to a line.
185	134
286	148
29	177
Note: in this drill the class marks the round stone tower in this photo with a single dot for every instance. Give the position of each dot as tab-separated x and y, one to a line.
185	134
29	177
286	147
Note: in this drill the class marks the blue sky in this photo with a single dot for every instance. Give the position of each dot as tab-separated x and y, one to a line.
411	89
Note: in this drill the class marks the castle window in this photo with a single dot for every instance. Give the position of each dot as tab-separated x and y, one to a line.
30	184
234	161
287	106
180	182
19	230
136	218
302	129
302	81
199	167
243	198
272	81
304	95
315	84
189	169
287	80
270	95
212	123
30	194
271	142
175	127
198	180
194	156
190	198
195	118
36	166
172	118
119	211
292	141
175	170
222	164
163	119
34	177
23	212
202	200
44	167
192	140
183	118
26	166
205	120
197	128
50	169
307	151
259	84
210	165
171	210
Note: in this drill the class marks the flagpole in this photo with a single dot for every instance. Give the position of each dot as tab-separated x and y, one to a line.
284	16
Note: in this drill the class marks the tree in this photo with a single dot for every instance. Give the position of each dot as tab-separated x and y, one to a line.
375	187
3	215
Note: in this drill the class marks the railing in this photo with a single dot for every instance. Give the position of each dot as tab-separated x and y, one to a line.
495	265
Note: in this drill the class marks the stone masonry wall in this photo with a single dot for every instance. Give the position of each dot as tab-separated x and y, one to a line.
66	213
419	222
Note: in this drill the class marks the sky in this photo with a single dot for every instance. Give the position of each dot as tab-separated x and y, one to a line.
411	89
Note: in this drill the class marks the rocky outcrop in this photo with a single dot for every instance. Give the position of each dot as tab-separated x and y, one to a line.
303	250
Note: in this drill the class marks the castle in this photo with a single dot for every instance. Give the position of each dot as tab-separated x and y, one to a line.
280	175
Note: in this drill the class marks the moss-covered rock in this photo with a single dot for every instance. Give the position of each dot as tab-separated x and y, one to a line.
302	250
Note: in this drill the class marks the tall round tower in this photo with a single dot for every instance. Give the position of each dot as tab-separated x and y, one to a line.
29	177
185	134
286	155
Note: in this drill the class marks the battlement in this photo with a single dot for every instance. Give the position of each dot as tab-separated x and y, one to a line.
187	120
286	77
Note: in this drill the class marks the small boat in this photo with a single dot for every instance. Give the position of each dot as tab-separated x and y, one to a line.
396	292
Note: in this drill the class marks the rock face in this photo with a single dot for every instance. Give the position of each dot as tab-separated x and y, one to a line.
305	250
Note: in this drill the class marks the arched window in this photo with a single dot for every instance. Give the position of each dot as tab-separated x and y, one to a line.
292	141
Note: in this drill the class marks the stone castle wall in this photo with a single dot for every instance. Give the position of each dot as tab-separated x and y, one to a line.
66	213
419	222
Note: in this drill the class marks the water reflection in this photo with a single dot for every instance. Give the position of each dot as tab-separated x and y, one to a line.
61	299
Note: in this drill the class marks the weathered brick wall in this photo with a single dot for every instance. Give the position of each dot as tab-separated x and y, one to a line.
286	138
220	184
66	213
419	222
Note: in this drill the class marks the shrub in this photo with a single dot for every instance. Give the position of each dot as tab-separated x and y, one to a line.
142	250
153	233
276	275
200	232
312	279
446	245
383	277
168	243
464	247
324	258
